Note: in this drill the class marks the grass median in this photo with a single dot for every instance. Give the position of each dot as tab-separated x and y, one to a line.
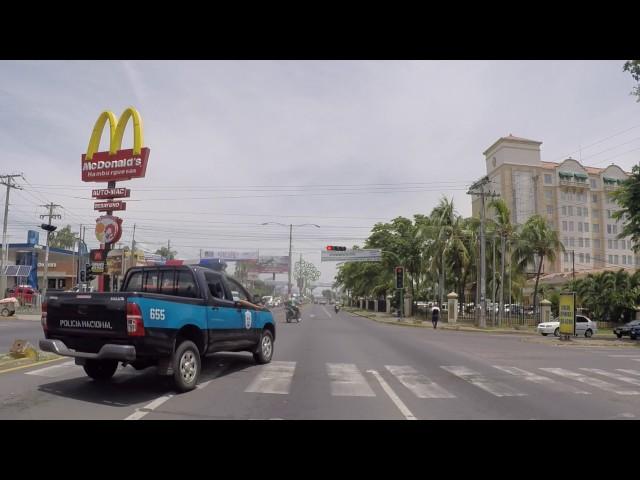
9	362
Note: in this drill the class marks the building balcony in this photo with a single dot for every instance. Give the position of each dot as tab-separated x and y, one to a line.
566	182
607	187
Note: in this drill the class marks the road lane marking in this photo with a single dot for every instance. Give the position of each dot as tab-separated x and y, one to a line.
347	381
141	412
275	377
624	356
421	386
474	378
615	376
327	312
629	370
53	371
594	382
31	365
392	395
539	379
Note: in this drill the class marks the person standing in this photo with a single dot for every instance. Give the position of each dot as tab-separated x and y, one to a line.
435	316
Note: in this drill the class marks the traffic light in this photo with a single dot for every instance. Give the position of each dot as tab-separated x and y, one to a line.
83	276
89	275
48	228
336	248
399	277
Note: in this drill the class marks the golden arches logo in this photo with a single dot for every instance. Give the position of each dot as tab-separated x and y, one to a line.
116	132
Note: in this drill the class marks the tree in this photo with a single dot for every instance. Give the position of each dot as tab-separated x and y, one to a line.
305	273
633	67
502	226
167	253
327	294
536	241
628	197
63	238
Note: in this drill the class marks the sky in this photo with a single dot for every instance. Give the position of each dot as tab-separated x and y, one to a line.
340	144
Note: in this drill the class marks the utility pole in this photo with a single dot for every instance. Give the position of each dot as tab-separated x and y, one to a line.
493	278
473	190
9	182
290	258
573	262
51	206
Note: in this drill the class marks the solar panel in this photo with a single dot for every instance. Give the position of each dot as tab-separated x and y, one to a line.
24	270
17	270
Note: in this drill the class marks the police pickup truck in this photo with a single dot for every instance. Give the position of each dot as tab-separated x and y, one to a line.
167	316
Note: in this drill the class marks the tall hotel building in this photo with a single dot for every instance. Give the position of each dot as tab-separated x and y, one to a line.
573	198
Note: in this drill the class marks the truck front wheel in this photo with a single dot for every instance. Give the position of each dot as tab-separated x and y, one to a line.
186	366
100	370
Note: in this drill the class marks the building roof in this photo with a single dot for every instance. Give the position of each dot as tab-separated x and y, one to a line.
511	138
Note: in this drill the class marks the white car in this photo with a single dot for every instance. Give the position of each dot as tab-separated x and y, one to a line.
584	326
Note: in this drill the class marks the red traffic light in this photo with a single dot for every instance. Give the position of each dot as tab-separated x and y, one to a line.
329	247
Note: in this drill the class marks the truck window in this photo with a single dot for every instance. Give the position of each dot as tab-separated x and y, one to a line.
167	284
215	285
238	292
151	281
134	283
186	285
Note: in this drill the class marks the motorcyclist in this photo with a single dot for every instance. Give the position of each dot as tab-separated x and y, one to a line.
336	307
292	310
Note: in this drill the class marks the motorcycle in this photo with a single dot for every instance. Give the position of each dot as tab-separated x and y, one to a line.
336	308
292	313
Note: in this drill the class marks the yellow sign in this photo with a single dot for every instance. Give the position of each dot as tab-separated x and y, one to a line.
116	131
567	313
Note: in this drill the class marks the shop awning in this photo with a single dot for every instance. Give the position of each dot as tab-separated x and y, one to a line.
581	175
565	174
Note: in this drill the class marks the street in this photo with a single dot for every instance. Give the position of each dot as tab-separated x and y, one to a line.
27	328
347	367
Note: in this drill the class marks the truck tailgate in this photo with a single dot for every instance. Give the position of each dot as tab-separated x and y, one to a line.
87	314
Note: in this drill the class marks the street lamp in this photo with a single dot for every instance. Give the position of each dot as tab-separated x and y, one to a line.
290	242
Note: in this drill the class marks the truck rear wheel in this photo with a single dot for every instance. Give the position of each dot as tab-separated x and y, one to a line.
186	366
101	370
264	351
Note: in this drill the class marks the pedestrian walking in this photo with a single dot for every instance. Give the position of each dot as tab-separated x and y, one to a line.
435	316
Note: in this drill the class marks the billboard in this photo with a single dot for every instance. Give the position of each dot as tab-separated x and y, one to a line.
360	255
231	255
271	264
567	313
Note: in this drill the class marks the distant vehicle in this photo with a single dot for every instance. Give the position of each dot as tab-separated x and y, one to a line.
626	328
584	326
8	306
323	301
267	301
24	293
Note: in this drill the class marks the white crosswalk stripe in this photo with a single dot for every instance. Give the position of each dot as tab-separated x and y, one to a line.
421	386
275	377
629	371
539	379
594	382
615	376
347	381
55	370
498	389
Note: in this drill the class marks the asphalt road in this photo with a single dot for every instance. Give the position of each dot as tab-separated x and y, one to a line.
12	329
347	367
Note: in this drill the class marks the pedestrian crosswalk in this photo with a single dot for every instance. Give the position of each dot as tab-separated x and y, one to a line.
433	383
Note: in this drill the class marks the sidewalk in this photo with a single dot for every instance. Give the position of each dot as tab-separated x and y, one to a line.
608	338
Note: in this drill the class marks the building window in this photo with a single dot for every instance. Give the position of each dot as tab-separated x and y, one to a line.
610	244
615	244
581	242
586	226
579	211
588	258
581	197
616	260
624	259
595	212
596	243
548	194
564	210
615	229
610	259
572	241
547	178
580	226
565	241
587	242
585	211
566	257
608	213
570	211
581	257
594	183
596	227
563	195
571	226
570	196
564	225
608	228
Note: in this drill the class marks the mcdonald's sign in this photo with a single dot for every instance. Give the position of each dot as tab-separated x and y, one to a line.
115	164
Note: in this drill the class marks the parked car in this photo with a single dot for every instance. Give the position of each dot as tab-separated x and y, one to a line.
584	326
625	329
635	332
8	306
24	293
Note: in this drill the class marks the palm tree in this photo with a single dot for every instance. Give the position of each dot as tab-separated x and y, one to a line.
502	226
536	241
